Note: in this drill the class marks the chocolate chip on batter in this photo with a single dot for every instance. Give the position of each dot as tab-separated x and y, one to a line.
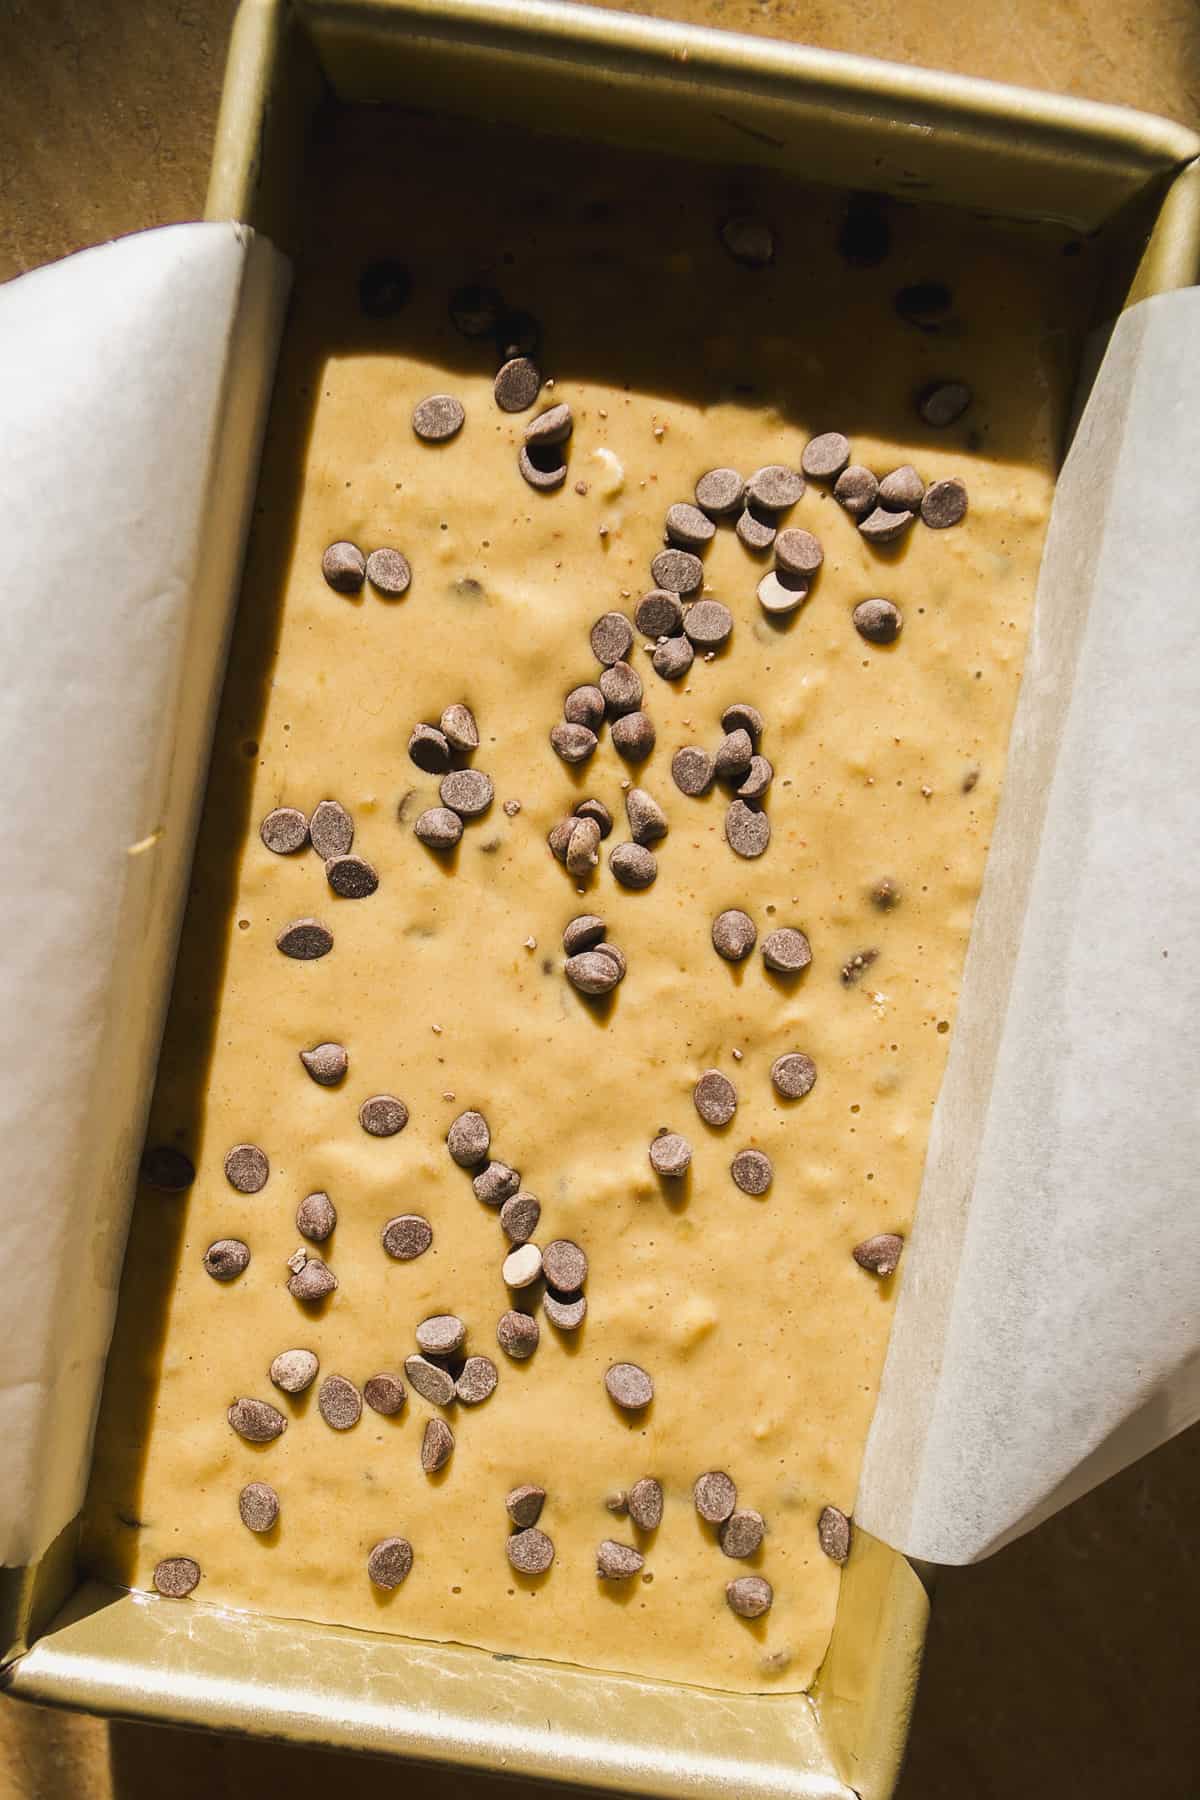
459	728
611	638
882	527
596	810
227	1259
258	1506
294	1370
834	1534
732	760
659	614
246	1168
477	1380
715	1496
468	792
305	940
331	830
945	504
559	836
678	571
530	1552
902	490
311	1279
164	1167
352	877
741	716
746	832
633	736
647	820
583	932
688	528
326	1063
437	1446
385	1394
388	572
585	705
549	428
383	1115
878	621
389	1562
565	1265
407	1236
519	1217
633	866
856	490
583	847
774	488
733	934
752	1171
429	749
646	1503
719	492
780	593
628	1386
621	687
618	1562
517	1335
542	466
340	1402
256	1421
176	1577
591	972
517	385
344	566
566	1311
524	1504
438	418
673	658
750	1596
438	828
495	1182
441	1334
742	1533
316	1217
943	403
475	310
798	552
749	240
708	624
670	1155
755	532
786	950
284	830
522	1266
885	894
879	1255
757	779
468	1139
826	456
793	1075
430	1380
693	770
715	1097
574	743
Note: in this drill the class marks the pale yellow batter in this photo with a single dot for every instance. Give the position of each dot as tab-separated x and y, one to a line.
764	1338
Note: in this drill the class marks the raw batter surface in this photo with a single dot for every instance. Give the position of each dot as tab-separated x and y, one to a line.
763	1336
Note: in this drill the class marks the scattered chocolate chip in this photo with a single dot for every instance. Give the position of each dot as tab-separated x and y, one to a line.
227	1259
284	830
633	866
757	779
477	1380
530	1552
522	1266
774	488
176	1576
459	728
517	1335
614	954
780	593
629	1386
715	1496
618	1562
673	658
383	1115
750	1596
592	972
429	749
719	492
256	1421
583	848
438	828
621	687
732	760
168	1169
519	1217
316	1217
856	489
585	705
518	334
326	1063
678	571
825	456
943	403
647	820
595	809
878	621
659	614
549	428
798	552
542	466
246	1168
646	1503
565	1265
902	490
517	385
574	743
512	808
437	1446
407	1236
746	832
495	1182
441	1334
385	1394
389	1562
751	1171
611	638
633	736
885	894
384	288
258	1506
693	770
708	624
331	830
468	1139
344	567
438	418
305	940
834	1533
733	934
742	1533
311	1279
879	1255
688	528
475	310
339	1403
468	792
566	1311
559	837
389	573
524	1504
865	236
352	877
786	950
748	240
670	1155
583	932
945	504
294	1370
881	527
755	533
430	1380
715	1097
793	1075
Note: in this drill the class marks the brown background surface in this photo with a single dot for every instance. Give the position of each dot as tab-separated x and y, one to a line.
1063	1667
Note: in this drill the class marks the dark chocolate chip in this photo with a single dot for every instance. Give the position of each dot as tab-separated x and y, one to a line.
167	1169
284	830
943	403
879	621
468	1139
732	760
741	716
596	810
517	1335
673	658
618	1562
715	1496
646	1503
477	1380
693	770
550	428
688	528
670	1155
774	488
565	1265
902	490
592	972
437	1446
256	1420
659	614
305	940
519	1217
857	490
715	1097
385	1394
389	573
384	288
326	1063
430	1380
746	832
351	876
720	492
757	779
389	1562
583	848
879	1255
574	743
945	504
310	1279
565	1311
524	1504
583	932
176	1577
751	1171
585	705
756	533
227	1259
733	934
629	1386
468	792
294	1370
742	1533
331	830
530	1552
611	638
786	950
258	1506
793	1075
316	1217
621	687
750	1596
459	727
441	1334
494	1183
678	571
344	567
542	466
885	894
429	749
633	866
633	736
798	552
517	385
438	828
438	418
407	1236
882	527
246	1168
339	1403
834	1534
383	1115
647	820
708	624
825	456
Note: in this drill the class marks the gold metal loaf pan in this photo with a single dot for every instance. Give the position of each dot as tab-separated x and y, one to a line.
1131	179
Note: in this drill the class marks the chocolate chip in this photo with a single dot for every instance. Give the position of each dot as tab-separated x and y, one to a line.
441	1334
429	749
780	593
518	334
339	1402
878	621
751	1171
922	303
574	743
708	624
554	426
331	829
305	940
633	736
611	638
522	1266
856	489
385	1394
284	830
258	1506
384	288
388	572
879	1255
719	492
787	951
746	832
865	236
732	760
475	310
246	1168
774	488
945	503
326	1063
670	1155
351	876
176	1576
881	527
646	1503
647	820
383	1115
673	658
168	1169
407	1236
659	614
389	1562
595	809
902	490
344	566
693	770
749	241
438	418
715	1496
629	1386
825	456
468	1139
633	866
437	1446
592	972
798	552
678	571
524	1504
755	533
793	1075
742	1533
750	1596
757	779
618	1562
583	932
943	403
566	1311
256	1421
468	792
495	1183
530	1552
294	1370
733	934
715	1097
517	1335
585	705
227	1259
565	1265
688	528
583	847
519	1217
316	1217
459	728
885	894
621	687
542	466
834	1533
430	1380
438	828
517	385
311	1279
741	716
477	1380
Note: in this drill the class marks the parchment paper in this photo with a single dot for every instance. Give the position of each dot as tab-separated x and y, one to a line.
135	380
1048	1327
